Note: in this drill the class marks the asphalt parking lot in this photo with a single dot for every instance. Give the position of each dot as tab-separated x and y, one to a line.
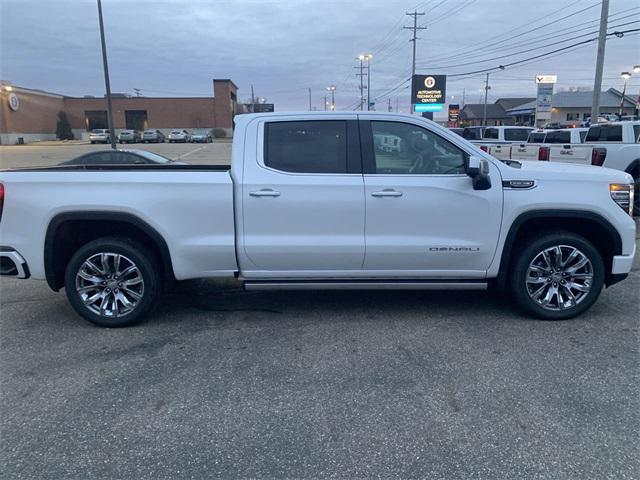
51	153
222	383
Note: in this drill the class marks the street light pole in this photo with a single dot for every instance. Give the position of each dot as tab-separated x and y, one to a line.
625	76
332	89
112	130
636	110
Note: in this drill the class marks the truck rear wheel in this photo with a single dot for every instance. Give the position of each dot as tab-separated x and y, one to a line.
113	282
557	276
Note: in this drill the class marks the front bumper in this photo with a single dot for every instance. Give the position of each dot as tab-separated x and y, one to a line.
12	264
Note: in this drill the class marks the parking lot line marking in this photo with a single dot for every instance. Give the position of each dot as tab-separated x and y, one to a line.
190	152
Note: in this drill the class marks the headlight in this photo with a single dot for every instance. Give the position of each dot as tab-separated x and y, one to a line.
622	194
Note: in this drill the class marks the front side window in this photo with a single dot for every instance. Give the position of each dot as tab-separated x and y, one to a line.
636	133
516	134
318	146
403	148
536	137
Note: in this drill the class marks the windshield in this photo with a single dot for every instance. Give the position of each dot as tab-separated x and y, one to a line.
154	157
176	132
98	130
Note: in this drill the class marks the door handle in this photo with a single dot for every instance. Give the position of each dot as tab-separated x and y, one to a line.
387	193
265	192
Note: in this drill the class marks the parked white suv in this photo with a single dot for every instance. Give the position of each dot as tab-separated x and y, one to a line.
313	201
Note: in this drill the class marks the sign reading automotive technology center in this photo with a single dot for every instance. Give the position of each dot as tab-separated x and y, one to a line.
428	92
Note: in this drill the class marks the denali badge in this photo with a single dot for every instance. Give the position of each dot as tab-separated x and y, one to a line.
454	249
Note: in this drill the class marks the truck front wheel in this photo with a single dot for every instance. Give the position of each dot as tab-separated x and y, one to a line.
557	276
113	282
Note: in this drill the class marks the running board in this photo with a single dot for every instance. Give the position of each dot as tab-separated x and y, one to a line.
365	285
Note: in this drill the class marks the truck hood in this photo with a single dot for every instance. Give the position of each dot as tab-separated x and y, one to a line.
538	170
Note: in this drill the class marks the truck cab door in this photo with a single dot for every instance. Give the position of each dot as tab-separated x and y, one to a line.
423	216
302	199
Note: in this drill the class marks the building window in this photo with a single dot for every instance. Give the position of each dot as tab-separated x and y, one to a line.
573	116
94	119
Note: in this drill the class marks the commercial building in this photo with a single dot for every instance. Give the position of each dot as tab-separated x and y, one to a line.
32	115
568	108
572	107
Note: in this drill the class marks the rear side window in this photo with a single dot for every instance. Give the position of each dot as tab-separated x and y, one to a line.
583	135
636	133
516	134
558	137
491	133
605	133
318	146
536	137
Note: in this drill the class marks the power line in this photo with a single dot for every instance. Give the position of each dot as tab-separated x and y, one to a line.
526	50
618	34
529	42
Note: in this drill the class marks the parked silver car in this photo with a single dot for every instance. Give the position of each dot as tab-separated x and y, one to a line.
202	136
100	135
179	136
153	136
129	136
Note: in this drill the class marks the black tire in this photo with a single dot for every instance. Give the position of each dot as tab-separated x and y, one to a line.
92	143
524	258
134	253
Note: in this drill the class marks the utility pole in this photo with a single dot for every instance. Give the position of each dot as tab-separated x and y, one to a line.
253	101
486	93
112	131
396	104
464	95
389	105
325	102
415	29
361	75
137	92
309	99
368	81
602	40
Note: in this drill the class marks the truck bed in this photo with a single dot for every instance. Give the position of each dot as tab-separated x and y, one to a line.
190	206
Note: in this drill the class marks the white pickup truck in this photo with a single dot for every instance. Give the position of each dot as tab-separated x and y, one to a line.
497	141
552	142
311	201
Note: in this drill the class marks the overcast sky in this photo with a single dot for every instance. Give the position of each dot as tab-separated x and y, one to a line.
284	47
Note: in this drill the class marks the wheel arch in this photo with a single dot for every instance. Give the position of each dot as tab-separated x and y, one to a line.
68	231
590	225
634	168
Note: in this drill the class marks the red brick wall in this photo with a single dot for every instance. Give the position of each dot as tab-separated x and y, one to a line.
38	113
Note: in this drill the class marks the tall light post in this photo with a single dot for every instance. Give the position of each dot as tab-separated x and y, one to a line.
332	89
636	69
625	76
361	75
367	57
112	131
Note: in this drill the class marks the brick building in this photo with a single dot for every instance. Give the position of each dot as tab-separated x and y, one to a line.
32	114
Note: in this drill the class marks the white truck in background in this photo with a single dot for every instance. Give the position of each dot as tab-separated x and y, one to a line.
312	201
540	144
497	140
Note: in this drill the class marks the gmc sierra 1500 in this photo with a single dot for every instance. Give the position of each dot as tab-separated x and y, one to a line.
322	200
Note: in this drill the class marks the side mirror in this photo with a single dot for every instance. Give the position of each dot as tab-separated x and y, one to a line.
478	170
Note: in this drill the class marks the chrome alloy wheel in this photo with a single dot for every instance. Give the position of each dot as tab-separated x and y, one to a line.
559	277
110	284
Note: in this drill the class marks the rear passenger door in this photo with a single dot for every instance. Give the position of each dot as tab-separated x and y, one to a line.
303	200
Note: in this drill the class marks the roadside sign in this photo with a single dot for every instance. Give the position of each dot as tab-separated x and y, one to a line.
544	97
428	92
546	78
454	113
